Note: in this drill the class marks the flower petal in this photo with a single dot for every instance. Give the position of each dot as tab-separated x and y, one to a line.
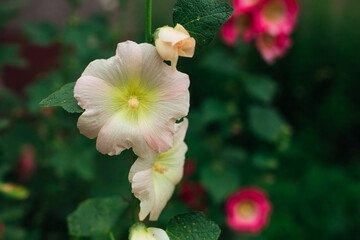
157	125
169	34
121	132
130	56
93	95
163	189
188	49
143	189
169	83
173	160
158	233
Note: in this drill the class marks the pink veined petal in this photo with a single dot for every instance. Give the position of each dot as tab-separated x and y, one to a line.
157	126
143	189
163	190
158	233
130	56
93	95
110	70
168	83
121	133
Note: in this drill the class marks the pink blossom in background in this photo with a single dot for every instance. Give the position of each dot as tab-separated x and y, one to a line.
244	6
193	195
1	228
239	25
27	164
271	47
248	210
276	16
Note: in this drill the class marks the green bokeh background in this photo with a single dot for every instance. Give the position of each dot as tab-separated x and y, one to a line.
291	128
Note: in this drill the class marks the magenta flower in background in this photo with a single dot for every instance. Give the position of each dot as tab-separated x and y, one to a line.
248	210
272	47
239	25
244	6
27	164
269	22
276	16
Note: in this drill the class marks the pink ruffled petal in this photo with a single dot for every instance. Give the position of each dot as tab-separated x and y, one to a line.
93	95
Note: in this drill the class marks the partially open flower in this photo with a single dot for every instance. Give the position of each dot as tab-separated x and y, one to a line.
276	16
153	179
272	47
131	100
239	25
248	210
140	232
174	42
244	6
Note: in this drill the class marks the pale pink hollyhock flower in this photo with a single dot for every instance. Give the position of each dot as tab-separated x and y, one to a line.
27	164
131	100
244	6
153	179
174	42
238	25
248	210
272	47
276	16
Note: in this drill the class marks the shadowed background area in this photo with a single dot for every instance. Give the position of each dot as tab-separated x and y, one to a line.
291	128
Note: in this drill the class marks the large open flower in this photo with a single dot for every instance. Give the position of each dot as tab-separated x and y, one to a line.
276	16
272	47
248	210
153	179
131	100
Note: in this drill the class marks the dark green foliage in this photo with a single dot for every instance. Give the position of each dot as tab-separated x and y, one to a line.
63	98
201	18
192	226
96	215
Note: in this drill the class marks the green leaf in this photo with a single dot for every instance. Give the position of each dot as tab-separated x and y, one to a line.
218	181
201	18
267	123
192	226
95	216
261	88
63	98
41	33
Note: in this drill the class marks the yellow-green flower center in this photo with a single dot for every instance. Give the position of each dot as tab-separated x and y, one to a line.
245	209
275	11
133	102
159	168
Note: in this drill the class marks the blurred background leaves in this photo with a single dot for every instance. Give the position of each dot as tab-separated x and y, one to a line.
291	128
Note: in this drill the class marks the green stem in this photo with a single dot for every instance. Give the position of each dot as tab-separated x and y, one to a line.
111	235
148	32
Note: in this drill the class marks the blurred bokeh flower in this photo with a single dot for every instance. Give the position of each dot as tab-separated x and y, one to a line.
248	210
193	194
131	100
27	163
276	17
153	180
14	190
239	25
174	42
272	47
140	232
243	6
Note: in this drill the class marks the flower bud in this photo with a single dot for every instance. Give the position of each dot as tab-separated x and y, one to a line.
174	42
139	232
